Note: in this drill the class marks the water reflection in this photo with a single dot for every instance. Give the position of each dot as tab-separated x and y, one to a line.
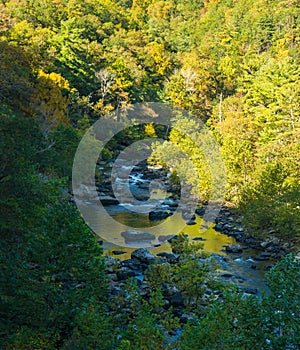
213	241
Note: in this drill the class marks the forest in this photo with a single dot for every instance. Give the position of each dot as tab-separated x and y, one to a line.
64	64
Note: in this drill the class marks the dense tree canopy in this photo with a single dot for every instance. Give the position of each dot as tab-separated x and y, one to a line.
66	63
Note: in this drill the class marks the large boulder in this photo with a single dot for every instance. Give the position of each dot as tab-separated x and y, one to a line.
134	236
143	255
125	272
158	215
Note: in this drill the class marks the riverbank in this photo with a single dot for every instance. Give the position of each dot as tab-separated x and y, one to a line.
229	222
213	269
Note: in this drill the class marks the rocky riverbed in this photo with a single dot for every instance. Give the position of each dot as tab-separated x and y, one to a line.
243	260
119	271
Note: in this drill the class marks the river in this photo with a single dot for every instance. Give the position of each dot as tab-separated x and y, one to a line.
240	268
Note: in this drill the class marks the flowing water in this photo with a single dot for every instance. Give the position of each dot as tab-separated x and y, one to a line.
244	269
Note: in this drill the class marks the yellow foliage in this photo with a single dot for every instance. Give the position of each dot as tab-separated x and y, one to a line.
158	53
160	9
48	101
150	130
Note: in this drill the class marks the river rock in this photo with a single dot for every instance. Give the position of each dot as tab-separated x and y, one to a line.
125	272
108	200
191	222
118	252
177	299
265	256
169	257
133	264
234	248
186	317
171	202
218	227
134	236
227	275
200	211
163	238
188	216
250	290
144	289
265	244
204	227
87	192
227	228
112	276
158	215
110	261
143	255
178	311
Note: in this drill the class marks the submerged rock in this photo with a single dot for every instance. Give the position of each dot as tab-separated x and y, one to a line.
134	236
118	252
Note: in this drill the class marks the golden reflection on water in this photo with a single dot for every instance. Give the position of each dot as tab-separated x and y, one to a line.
214	242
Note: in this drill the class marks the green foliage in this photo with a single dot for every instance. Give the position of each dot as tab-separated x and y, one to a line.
283	303
147	323
238	322
20	188
63	65
16	76
54	272
94	328
51	264
191	275
63	144
272	203
232	323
